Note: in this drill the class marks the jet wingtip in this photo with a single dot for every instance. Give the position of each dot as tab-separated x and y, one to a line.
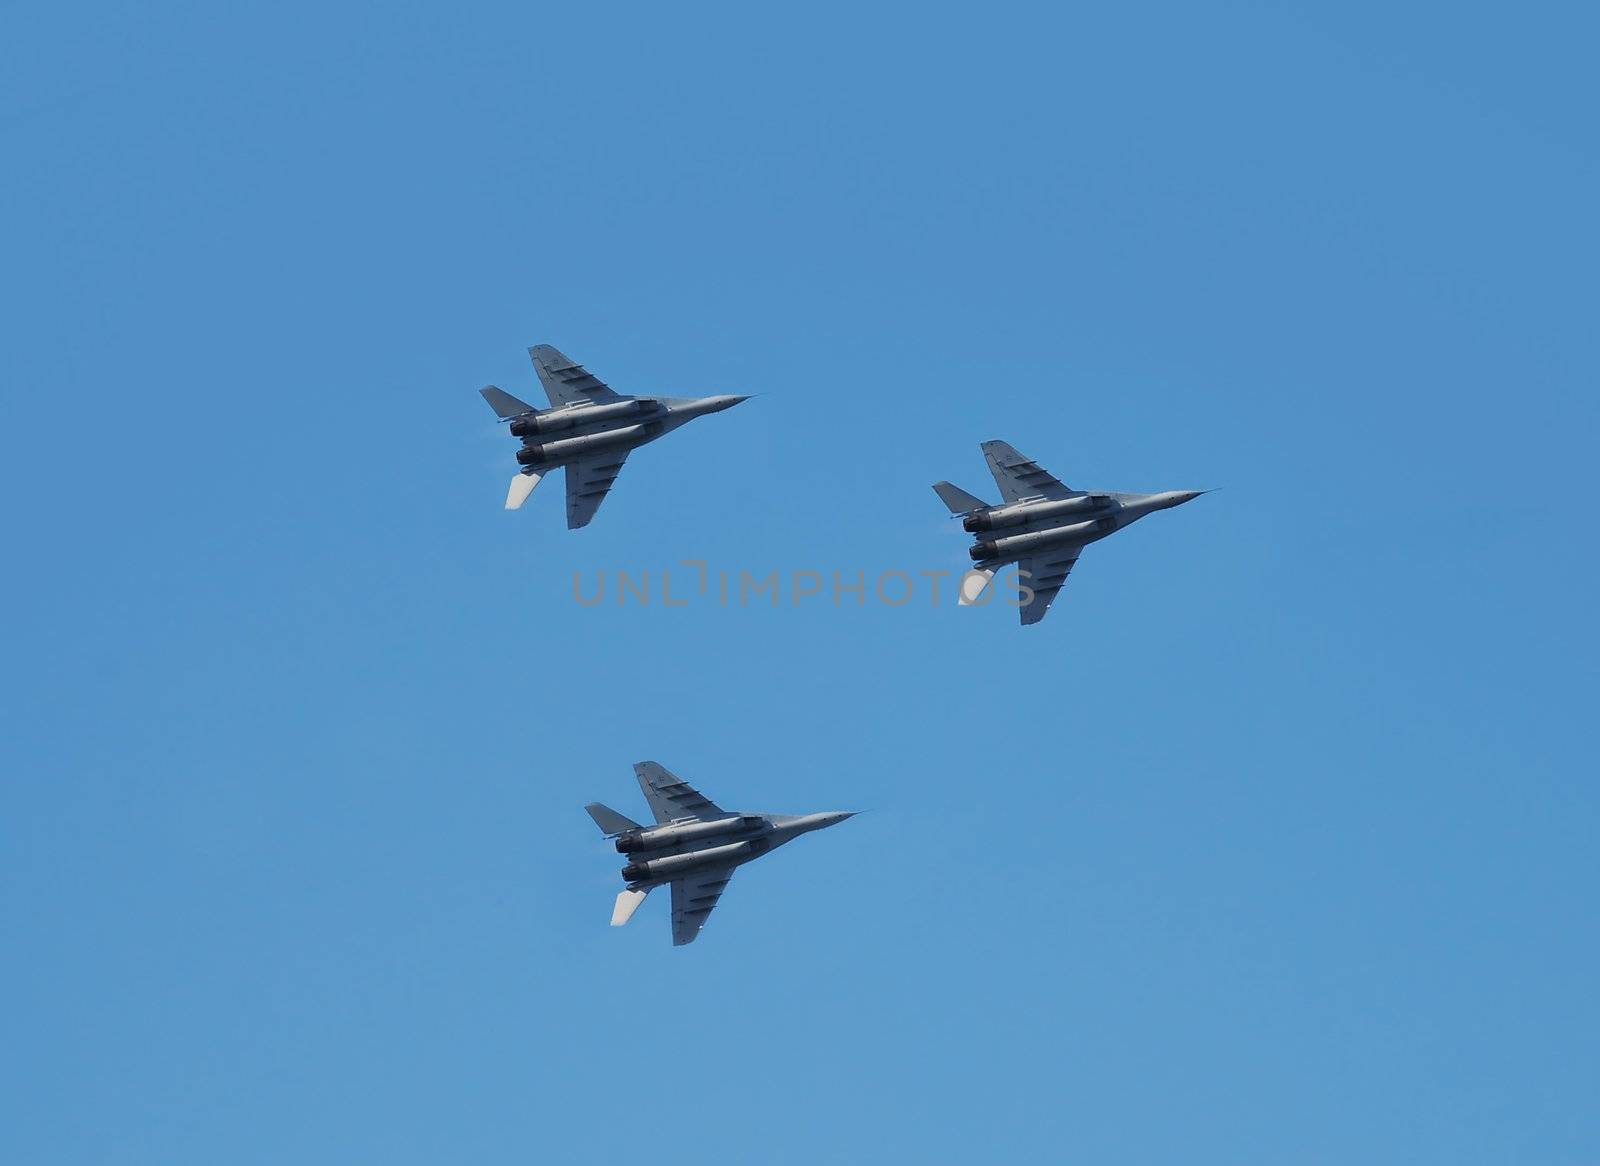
547	357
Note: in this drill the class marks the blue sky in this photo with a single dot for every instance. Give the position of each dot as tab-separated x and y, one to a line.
1274	843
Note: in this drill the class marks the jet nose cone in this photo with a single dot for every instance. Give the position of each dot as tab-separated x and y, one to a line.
823	821
718	404
1171	498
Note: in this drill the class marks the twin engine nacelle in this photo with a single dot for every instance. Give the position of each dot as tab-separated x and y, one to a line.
536	424
1023	544
1003	516
571	448
674	865
661	837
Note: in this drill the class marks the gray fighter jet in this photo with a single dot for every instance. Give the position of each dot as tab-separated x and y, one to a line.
1042	526
694	846
588	429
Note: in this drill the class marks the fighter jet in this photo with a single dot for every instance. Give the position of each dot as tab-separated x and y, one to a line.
694	845
588	429
1042	526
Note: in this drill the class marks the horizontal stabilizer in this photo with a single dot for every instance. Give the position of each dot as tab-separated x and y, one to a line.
521	486
504	404
627	903
957	499
609	821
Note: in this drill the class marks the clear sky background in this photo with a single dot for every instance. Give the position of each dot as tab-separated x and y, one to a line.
1274	843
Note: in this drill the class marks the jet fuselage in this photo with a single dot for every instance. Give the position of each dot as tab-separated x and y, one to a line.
662	853
555	437
1012	532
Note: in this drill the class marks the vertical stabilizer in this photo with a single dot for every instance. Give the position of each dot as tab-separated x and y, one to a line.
973	584
627	903
521	486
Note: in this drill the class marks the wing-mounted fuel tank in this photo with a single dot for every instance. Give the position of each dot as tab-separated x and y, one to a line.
661	837
1025	544
1019	513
